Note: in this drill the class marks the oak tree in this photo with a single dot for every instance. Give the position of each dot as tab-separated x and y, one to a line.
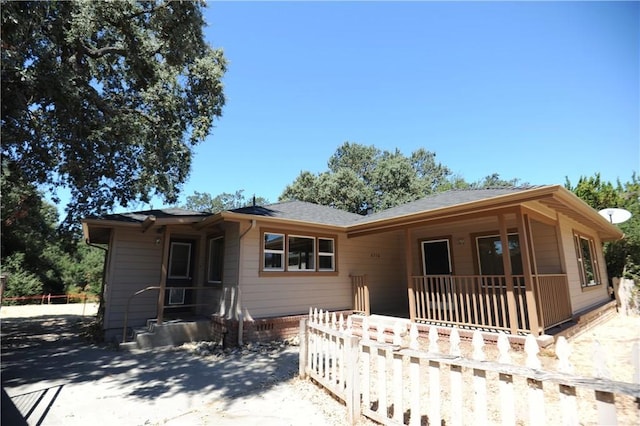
107	99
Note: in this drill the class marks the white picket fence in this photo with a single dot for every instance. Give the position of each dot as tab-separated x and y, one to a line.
385	376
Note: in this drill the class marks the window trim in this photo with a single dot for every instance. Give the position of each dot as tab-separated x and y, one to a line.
210	240
282	252
179	277
578	237
285	271
327	254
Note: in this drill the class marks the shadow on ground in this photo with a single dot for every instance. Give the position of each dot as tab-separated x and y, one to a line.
49	350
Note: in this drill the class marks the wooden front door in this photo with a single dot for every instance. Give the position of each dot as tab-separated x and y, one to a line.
180	275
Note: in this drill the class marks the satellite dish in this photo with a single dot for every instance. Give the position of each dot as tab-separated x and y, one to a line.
614	215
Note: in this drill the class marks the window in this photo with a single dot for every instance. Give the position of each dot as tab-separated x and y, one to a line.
490	254
273	252
326	254
176	296
303	253
587	261
180	260
216	260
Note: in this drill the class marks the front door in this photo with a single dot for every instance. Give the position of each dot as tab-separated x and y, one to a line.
436	258
178	299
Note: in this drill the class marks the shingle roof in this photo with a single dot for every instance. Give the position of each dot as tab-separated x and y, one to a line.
303	211
441	200
319	214
140	216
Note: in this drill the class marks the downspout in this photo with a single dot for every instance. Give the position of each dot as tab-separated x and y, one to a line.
238	301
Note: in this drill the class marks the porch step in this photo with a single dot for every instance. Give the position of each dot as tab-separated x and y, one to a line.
168	334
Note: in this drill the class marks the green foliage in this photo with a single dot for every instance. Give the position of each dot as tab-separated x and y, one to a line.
204	202
20	281
596	193
107	99
362	178
622	257
494	181
38	259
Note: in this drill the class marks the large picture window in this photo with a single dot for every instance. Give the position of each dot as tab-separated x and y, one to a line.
303	253
490	252
587	260
216	260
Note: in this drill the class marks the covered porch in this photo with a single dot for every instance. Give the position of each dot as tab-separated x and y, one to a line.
500	270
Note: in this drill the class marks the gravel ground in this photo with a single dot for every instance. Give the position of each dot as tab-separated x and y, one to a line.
57	378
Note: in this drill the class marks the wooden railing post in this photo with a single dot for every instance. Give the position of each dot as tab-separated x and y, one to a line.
163	274
410	283
506	259
532	301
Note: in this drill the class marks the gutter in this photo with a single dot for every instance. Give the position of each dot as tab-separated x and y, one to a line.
238	300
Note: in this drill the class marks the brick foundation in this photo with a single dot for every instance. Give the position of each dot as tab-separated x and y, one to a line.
258	330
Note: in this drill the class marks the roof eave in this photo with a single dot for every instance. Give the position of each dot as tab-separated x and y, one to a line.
492	203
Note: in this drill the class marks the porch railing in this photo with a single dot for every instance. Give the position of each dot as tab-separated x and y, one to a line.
360	294
554	303
480	301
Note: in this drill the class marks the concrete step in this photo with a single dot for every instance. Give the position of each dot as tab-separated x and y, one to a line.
169	334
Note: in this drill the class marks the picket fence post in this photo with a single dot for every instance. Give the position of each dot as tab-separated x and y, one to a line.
303	348
414	374
506	383
479	381
398	411
434	379
536	391
605	401
352	345
455	378
567	393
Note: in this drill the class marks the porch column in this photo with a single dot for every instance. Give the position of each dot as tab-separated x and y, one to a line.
408	250
166	244
532	307
508	275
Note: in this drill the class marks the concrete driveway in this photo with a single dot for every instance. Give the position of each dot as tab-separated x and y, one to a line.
52	376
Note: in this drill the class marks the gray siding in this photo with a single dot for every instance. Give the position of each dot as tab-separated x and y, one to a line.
135	264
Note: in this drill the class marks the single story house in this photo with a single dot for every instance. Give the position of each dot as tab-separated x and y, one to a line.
516	260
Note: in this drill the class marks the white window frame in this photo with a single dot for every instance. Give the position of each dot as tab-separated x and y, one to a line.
176	296
312	257
593	256
282	252
332	255
211	241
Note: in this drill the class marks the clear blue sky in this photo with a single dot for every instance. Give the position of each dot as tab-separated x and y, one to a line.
536	90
